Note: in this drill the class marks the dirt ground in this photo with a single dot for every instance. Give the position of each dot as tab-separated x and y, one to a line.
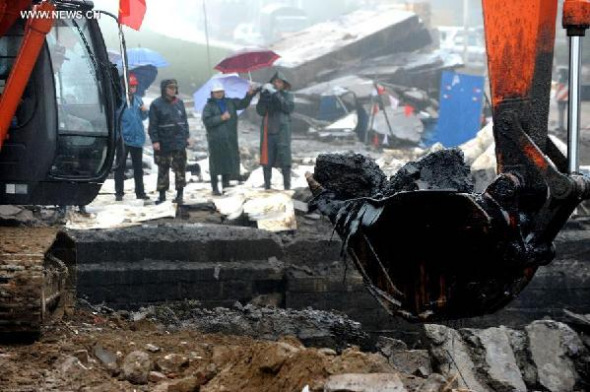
94	352
90	352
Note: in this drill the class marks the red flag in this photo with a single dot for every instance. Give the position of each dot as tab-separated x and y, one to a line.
131	13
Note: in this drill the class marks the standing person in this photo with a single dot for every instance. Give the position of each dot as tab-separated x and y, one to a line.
221	121
168	130
133	134
275	105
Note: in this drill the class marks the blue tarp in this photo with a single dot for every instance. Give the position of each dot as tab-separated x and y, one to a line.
461	103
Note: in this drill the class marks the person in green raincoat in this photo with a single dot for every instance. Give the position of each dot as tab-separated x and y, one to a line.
275	105
221	121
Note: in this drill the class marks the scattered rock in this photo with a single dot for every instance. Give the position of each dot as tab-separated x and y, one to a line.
189	384
412	362
71	364
107	358
452	356
152	348
172	363
376	382
519	343
328	352
502	371
9	211
156	377
554	346
83	356
434	383
272	358
136	367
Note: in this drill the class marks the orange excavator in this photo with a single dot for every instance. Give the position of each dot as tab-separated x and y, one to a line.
59	95
478	251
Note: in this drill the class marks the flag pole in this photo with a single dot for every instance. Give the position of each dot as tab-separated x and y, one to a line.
207	36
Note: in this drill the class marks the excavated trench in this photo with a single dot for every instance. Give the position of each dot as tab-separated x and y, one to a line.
231	267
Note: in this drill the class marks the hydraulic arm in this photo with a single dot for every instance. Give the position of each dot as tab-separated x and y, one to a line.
480	250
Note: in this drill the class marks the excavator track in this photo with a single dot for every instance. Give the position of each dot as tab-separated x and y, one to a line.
33	284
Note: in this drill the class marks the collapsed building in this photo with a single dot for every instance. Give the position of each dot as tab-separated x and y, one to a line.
337	68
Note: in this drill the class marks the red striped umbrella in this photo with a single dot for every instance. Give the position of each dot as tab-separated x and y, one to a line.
247	60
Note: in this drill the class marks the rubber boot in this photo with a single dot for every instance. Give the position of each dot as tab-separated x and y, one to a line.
267	176
287	177
162	197
225	181
179	196
214	186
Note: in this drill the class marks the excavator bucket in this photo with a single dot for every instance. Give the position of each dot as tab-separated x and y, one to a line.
425	252
428	247
432	255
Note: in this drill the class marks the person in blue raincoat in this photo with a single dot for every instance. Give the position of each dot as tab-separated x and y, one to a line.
133	134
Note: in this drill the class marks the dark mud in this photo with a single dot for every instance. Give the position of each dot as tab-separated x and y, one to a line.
314	328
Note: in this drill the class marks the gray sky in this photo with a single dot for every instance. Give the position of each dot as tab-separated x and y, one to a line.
176	18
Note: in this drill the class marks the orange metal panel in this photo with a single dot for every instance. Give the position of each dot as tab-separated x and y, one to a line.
35	31
10	12
518	33
576	14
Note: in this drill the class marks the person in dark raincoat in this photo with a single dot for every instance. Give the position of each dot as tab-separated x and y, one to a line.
275	105
133	134
221	121
168	130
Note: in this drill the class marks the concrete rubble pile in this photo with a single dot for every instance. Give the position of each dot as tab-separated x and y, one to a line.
317	351
334	67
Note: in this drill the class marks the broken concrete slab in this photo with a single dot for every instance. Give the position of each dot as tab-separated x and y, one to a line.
498	359
354	36
415	362
400	128
554	346
453	357
519	344
189	243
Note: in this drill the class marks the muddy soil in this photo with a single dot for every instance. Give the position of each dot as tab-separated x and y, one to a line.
92	352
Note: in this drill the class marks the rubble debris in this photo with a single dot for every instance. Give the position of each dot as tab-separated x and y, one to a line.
353	176
359	34
398	127
136	367
559	356
374	382
491	360
314	328
444	170
349	175
577	321
453	357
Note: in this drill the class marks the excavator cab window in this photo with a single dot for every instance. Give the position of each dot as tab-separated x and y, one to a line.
81	114
61	141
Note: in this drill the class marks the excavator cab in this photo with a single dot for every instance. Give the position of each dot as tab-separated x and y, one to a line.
58	104
477	250
61	139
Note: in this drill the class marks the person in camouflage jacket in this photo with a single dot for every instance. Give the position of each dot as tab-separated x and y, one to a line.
168	130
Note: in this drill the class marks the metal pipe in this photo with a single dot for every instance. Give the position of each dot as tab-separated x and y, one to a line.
573	120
